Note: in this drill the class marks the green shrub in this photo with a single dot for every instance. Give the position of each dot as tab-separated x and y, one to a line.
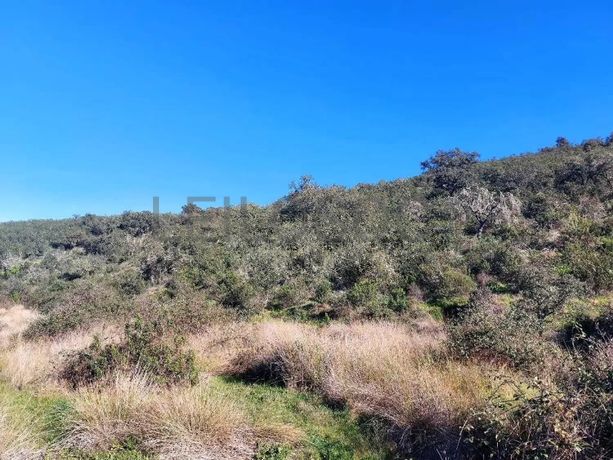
511	336
72	305
143	347
449	287
289	295
270	451
536	422
397	300
55	323
236	292
129	283
584	331
323	290
591	263
364	293
138	223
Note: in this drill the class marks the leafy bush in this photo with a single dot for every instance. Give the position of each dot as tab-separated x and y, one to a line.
138	223
142	347
448	286
450	170
323	291
364	293
130	283
507	335
591	263
236	292
536	422
397	300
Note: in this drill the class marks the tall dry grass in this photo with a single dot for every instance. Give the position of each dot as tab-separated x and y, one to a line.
176	422
13	321
218	345
24	363
387	371
383	370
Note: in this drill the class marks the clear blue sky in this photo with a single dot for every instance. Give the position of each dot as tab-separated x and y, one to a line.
104	104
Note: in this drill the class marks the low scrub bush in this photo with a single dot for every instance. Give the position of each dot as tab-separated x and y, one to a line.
570	420
142	347
499	334
584	331
447	286
535	422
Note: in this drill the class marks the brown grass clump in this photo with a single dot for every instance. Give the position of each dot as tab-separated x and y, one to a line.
104	417
383	370
217	346
14	320
36	362
172	423
192	421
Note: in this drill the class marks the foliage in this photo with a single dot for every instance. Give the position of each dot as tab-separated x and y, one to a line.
497	251
142	348
449	171
461	224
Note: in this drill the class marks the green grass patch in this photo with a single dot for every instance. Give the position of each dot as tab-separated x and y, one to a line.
326	433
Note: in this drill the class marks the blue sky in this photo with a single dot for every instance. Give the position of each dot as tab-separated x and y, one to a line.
104	104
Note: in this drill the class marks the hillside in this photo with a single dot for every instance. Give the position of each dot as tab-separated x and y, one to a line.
465	312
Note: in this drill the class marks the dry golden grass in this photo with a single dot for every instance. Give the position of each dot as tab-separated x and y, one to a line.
380	369
13	321
171	423
192	422
35	362
217	346
104	417
385	370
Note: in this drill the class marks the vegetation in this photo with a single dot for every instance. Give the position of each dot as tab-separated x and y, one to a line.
463	313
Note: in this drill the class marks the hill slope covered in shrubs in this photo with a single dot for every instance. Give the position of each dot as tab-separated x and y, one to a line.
511	225
475	299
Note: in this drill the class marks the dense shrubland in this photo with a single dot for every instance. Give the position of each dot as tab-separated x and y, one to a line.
466	312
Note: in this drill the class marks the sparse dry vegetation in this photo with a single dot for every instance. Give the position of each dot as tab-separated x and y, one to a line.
179	423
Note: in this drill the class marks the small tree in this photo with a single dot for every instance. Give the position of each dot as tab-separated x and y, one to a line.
305	182
488	208
562	142
190	209
449	170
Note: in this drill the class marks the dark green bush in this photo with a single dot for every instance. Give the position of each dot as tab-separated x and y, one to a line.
129	283
138	223
143	347
55	323
364	293
537	423
397	300
323	290
236	292
448	287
